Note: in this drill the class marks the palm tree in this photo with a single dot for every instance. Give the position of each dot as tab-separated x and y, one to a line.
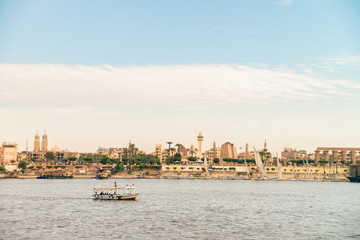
191	151
179	145
169	146
172	150
120	157
131	149
125	150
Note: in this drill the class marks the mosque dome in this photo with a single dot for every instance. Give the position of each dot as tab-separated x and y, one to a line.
55	149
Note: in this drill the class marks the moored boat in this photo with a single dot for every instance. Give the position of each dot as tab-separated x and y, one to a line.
354	173
102	174
54	175
115	193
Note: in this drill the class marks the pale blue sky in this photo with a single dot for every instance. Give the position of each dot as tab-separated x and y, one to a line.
154	71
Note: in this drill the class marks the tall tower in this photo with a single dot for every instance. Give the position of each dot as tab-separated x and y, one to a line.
44	143
200	140
37	143
214	151
247	153
265	146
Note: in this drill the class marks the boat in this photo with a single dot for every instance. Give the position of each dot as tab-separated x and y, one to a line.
56	174
260	164
102	174
279	168
354	173
115	193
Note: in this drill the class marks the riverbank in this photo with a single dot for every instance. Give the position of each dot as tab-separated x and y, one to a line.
212	176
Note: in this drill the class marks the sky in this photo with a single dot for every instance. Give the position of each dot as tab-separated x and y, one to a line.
100	73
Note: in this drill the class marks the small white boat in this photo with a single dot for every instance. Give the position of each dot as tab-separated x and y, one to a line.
115	193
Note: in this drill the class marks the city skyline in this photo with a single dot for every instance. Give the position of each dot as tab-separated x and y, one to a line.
94	74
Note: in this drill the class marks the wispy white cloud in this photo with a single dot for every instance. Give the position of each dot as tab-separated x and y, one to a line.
37	85
354	59
339	64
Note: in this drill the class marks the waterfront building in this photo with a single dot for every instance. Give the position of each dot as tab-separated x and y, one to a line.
288	154
344	154
8	153
102	151
228	150
159	148
115	153
160	152
23	155
39	151
213	153
292	154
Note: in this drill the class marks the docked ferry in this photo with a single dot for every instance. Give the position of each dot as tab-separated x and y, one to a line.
55	175
115	193
102	174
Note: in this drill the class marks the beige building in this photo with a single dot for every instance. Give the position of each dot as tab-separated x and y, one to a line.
8	153
211	155
102	151
160	152
40	150
228	150
292	154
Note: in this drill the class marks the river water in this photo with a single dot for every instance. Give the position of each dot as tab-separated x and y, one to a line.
180	209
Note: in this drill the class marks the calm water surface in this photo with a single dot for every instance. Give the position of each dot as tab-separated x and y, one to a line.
180	209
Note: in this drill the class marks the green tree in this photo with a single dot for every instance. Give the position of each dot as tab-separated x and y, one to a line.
50	156
119	167
2	168
177	157
192	159
104	160
126	152
169	160
72	159
216	160
22	165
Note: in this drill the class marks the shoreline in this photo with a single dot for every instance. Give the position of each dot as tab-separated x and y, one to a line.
180	177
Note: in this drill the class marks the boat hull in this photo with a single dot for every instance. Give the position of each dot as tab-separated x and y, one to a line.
115	197
354	179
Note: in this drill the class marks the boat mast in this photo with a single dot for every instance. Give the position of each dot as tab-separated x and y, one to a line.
206	166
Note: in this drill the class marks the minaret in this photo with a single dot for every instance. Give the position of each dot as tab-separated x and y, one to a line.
44	143
247	153
265	146
200	140
214	151
37	143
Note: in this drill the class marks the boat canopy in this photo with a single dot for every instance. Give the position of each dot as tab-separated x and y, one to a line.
109	189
